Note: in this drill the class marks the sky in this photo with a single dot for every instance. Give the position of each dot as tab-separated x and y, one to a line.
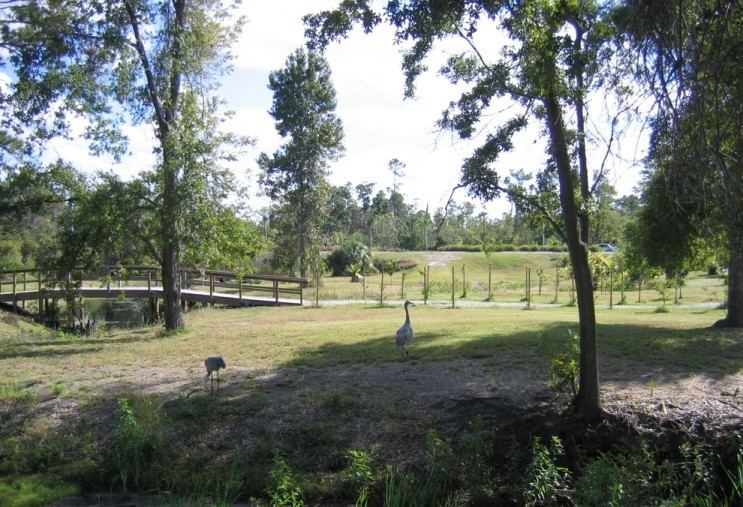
379	124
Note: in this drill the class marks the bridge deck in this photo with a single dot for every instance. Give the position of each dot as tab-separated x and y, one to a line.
219	298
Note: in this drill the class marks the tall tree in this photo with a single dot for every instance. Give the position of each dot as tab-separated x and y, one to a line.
397	168
131	61
544	70
295	175
693	66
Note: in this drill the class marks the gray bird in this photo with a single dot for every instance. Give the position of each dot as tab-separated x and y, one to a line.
405	333
214	363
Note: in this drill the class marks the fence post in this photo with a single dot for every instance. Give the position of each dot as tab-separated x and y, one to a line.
211	288
426	283
317	287
528	288
557	283
240	288
363	283
149	282
15	298
23	303
611	287
41	300
381	289
402	287
464	282
621	287
276	289
490	281
452	286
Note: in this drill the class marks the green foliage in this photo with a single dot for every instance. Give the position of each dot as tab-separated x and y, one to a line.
601	484
351	253
295	175
217	487
360	473
33	490
284	490
138	450
565	369
121	63
545	480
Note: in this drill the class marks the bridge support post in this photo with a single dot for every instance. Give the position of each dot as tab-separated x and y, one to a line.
276	291
15	296
211	289
41	300
23	303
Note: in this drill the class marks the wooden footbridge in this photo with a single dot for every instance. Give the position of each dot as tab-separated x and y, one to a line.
20	286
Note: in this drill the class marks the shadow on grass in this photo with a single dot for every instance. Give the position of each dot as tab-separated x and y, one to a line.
47	352
713	352
71	346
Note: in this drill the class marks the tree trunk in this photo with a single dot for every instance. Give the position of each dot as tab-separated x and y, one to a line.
581	131
587	403
171	281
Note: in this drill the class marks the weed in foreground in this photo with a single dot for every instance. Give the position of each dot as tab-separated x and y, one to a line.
284	492
360	474
138	451
564	370
545	480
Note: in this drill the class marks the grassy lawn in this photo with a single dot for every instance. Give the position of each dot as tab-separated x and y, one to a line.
306	384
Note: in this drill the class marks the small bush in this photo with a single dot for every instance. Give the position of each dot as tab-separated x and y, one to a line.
545	481
285	491
348	253
564	370
138	449
601	484
360	474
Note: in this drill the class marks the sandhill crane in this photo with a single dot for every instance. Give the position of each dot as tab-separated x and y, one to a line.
405	333
214	363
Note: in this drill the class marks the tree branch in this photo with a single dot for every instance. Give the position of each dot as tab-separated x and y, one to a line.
162	122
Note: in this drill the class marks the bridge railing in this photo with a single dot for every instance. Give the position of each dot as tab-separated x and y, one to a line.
112	277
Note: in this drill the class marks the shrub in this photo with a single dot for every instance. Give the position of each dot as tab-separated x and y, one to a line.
285	490
601	484
545	481
564	369
351	251
138	449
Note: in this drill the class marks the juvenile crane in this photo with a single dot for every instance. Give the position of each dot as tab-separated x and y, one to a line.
405	333
213	363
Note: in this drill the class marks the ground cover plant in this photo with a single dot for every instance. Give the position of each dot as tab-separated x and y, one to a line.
316	407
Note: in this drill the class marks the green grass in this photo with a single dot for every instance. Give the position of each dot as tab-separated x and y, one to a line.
507	280
186	428
270	338
33	490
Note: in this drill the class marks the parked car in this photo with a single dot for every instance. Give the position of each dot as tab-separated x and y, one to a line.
607	247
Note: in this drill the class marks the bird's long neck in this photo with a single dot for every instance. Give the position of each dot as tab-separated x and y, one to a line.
407	315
